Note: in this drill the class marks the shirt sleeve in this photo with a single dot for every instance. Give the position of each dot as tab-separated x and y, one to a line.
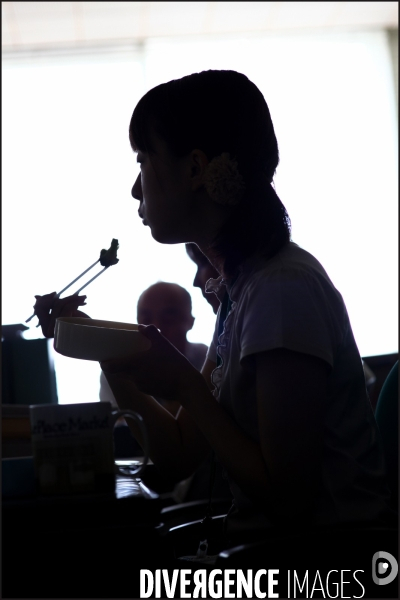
292	309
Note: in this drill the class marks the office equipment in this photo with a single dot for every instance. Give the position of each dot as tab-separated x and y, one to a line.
28	375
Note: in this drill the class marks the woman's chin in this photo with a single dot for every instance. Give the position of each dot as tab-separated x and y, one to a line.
166	237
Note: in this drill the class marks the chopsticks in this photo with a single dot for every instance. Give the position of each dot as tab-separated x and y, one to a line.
81	275
72	282
109	256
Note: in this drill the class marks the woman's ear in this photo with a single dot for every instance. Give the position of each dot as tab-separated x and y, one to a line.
199	162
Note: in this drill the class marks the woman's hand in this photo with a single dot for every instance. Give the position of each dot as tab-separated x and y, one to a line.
160	371
48	308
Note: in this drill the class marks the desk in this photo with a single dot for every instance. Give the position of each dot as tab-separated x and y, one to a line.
87	546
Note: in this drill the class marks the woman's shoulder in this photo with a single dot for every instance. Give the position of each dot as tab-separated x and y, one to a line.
292	261
293	255
293	274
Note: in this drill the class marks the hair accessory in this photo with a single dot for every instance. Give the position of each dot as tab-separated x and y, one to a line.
223	181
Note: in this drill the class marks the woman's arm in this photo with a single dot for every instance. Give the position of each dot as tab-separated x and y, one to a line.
281	472
291	396
176	444
49	307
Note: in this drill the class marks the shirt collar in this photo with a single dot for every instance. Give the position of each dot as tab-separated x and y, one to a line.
218	286
234	285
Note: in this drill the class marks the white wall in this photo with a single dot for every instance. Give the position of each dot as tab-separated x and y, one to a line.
68	170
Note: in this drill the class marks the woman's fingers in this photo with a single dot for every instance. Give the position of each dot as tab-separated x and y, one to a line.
150	331
159	371
48	308
66	306
133	363
42	310
44	303
63	308
115	366
79	313
50	301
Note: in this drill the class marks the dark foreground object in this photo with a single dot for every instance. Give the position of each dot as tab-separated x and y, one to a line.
97	546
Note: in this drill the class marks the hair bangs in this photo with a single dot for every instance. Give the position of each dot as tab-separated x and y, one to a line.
139	127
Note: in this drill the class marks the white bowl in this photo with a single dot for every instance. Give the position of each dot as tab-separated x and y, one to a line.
91	339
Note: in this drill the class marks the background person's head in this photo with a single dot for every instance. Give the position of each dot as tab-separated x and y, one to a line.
205	271
222	112
168	306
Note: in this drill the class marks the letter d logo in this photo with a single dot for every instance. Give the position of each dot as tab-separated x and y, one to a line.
383	567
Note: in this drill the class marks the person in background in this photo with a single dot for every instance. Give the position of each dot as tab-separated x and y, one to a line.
205	271
168	306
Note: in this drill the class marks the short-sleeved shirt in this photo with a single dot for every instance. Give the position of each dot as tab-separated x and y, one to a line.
289	302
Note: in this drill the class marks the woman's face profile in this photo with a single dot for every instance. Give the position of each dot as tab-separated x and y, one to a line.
163	189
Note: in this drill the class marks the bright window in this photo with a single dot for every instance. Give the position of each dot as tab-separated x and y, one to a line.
68	171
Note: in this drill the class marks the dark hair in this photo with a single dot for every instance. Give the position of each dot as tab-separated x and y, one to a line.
222	111
197	255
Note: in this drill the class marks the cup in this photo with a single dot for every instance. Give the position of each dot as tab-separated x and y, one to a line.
73	447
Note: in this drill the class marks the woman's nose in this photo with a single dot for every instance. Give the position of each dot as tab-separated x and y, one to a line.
137	188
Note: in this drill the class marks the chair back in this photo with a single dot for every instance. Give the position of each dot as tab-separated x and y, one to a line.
387	415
